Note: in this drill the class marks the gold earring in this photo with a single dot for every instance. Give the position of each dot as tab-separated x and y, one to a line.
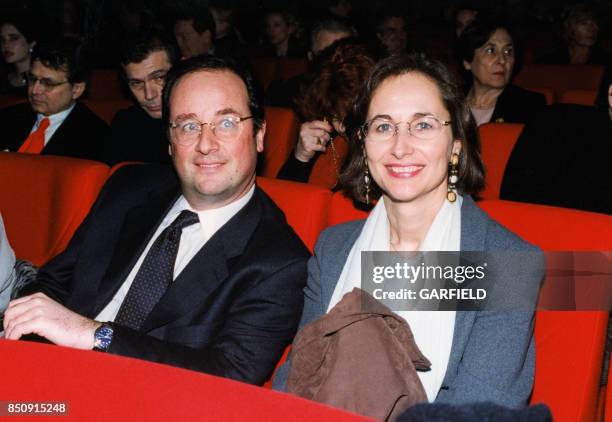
451	195
366	177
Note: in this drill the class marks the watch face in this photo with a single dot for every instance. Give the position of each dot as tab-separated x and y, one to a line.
103	337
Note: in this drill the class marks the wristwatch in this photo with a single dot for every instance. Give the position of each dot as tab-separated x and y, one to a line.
103	337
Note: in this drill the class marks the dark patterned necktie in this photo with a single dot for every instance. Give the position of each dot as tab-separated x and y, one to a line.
155	274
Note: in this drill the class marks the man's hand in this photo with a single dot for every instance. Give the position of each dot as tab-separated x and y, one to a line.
38	314
313	138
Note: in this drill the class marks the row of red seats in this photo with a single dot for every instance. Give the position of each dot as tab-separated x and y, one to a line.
45	198
572	84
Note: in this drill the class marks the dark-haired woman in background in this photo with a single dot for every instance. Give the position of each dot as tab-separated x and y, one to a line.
413	146
323	102
16	42
488	55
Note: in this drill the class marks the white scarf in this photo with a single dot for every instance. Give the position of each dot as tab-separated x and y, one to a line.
433	331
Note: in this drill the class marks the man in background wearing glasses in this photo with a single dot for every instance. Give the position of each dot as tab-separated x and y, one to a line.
229	299
54	122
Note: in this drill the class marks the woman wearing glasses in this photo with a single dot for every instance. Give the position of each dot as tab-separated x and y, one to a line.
413	148
16	42
488	53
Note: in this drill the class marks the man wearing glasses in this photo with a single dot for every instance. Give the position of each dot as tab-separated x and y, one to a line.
54	122
195	267
136	132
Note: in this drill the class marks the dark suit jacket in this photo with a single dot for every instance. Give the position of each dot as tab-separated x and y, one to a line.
136	136
80	135
233	309
563	158
517	105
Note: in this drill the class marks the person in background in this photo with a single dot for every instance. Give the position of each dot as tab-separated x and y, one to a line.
54	122
16	41
194	30
463	17
324	100
282	32
228	40
488	53
563	156
414	148
580	33
137	133
391	32
324	33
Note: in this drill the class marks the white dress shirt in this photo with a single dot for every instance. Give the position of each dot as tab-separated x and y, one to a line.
193	238
55	121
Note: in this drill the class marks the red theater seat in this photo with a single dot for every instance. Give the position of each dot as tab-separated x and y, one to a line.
327	167
105	84
43	200
10	100
281	135
569	345
497	141
579	96
305	206
560	77
103	387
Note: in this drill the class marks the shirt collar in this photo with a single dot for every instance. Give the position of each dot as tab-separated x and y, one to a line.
210	220
57	117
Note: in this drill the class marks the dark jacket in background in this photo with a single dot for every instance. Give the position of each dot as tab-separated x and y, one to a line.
81	134
136	136
517	105
563	158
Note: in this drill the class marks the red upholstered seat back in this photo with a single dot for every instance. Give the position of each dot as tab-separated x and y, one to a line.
10	100
560	77
305	206
43	199
569	345
497	141
101	387
326	169
105	84
579	96
281	136
342	210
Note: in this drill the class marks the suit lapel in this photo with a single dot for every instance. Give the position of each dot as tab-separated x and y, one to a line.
138	227
208	268
63	141
473	235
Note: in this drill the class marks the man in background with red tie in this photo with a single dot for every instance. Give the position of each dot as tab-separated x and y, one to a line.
192	266
54	122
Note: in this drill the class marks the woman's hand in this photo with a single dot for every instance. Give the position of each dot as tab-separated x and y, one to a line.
314	137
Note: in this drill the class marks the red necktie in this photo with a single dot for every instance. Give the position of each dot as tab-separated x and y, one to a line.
36	141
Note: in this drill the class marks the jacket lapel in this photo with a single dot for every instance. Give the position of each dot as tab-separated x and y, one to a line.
208	268
138	227
473	234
